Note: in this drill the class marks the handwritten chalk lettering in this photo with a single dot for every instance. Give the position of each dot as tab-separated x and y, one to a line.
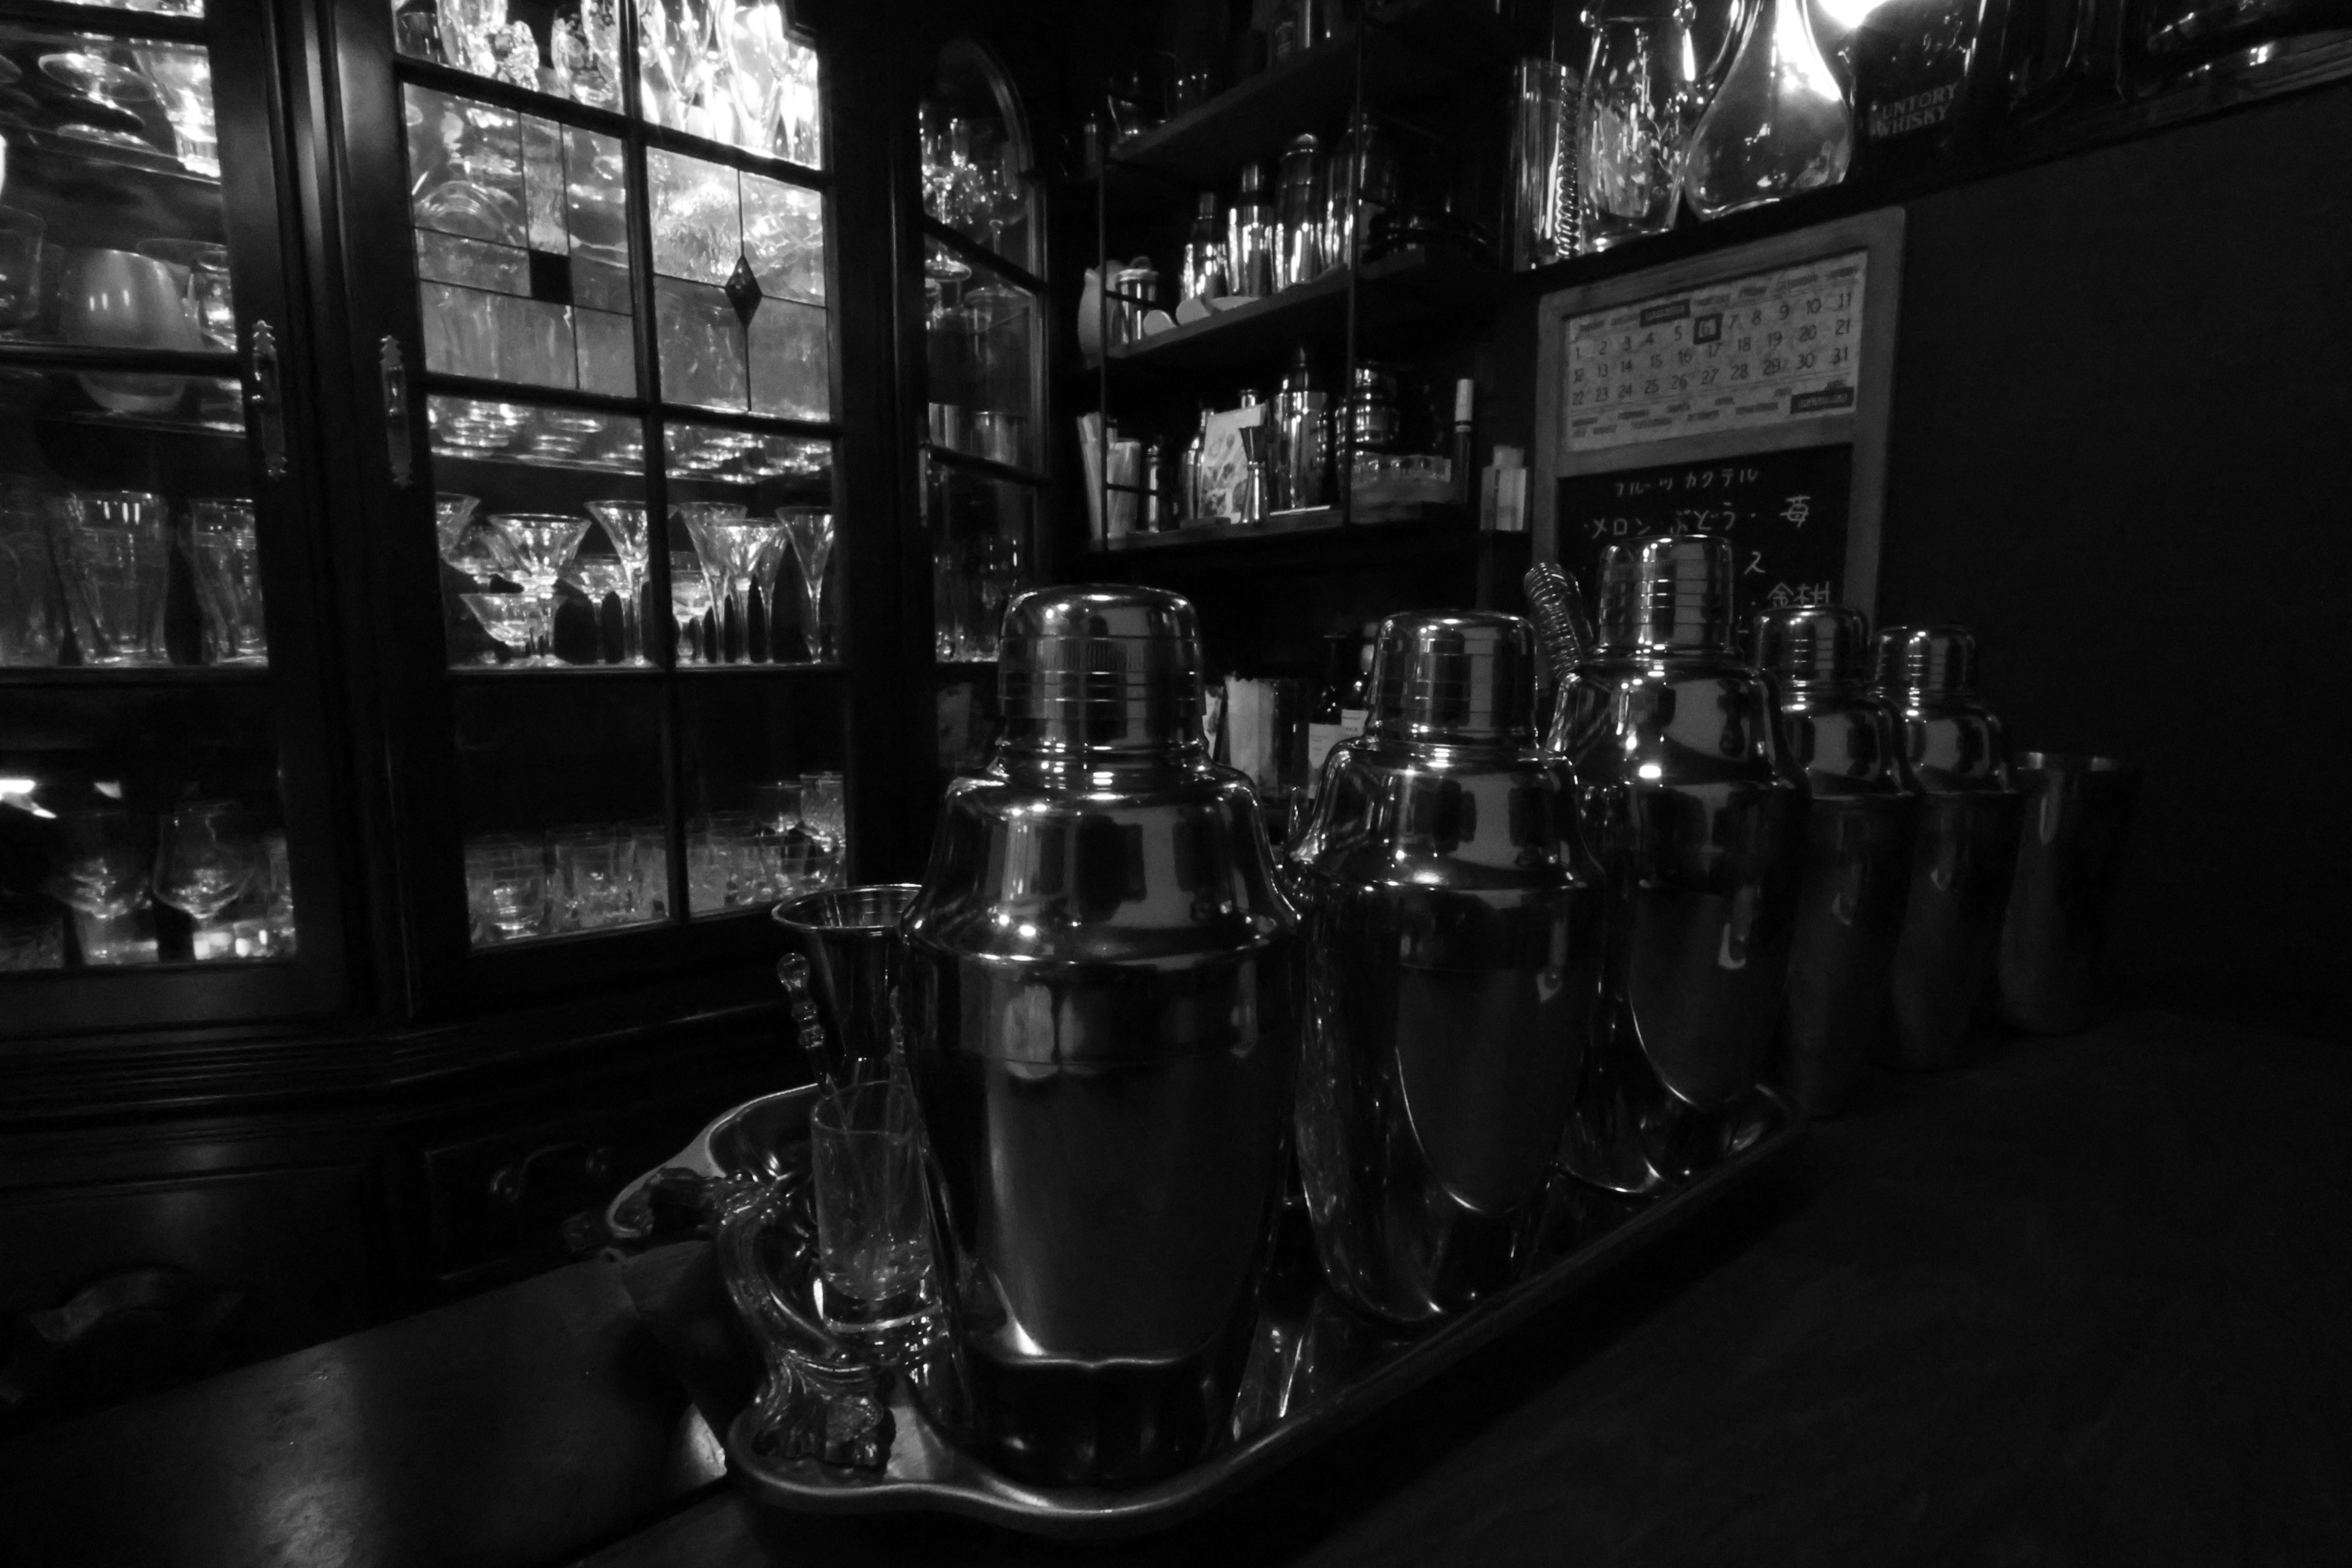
1796	510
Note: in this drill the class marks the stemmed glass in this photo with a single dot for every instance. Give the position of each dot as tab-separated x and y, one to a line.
627	525
809	531
209	855
509	618
544	543
599	577
730	545
689	602
473	547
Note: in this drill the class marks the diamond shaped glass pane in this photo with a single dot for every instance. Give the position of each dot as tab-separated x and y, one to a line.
738	263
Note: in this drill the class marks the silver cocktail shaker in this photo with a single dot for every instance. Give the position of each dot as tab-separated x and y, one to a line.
1697	817
1453	961
1102	1002
1968	820
1858	843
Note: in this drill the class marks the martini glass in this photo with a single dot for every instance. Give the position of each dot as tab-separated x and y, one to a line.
544	543
627	524
809	529
451	513
730	545
509	618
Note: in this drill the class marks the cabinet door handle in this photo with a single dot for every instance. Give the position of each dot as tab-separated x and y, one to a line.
267	397
397	446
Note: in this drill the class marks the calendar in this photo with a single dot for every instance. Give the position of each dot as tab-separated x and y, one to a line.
1763	350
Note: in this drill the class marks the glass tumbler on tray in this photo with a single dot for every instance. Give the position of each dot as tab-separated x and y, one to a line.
877	1288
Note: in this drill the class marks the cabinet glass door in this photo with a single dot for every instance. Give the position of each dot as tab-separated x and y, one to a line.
164	852
593	247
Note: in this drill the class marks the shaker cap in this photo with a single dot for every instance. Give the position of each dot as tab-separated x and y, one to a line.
1454	679
1101	668
1683	597
1812	644
1931	661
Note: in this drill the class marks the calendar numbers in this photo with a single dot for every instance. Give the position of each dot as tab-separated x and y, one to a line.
1744	353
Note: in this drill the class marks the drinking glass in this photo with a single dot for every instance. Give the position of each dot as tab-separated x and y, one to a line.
31	939
104	859
595	877
277	937
689	603
730	545
451	513
20	270
825	813
649	870
995	571
950	618
627	524
809	531
117	568
722	862
877	1288
31	630
228	580
1638	107
209	854
512	619
597	578
544	543
204	289
506	886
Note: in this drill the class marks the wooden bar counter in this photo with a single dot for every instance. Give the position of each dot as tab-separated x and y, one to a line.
2082	1302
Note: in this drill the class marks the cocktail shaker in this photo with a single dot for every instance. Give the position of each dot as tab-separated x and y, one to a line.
1454	960
1250	237
1302	467
1858	843
1967	853
1102	1011
1697	817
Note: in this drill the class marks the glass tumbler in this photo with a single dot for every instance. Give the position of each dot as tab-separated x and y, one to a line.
30	628
117	566
877	1288
227	559
506	886
1639	96
596	876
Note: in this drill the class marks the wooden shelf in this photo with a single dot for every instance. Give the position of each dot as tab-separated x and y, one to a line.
1411	287
135	676
1416	48
1317	538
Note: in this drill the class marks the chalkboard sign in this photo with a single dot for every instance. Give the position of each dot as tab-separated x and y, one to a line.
1785	512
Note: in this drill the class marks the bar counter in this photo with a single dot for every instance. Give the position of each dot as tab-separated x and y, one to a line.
2083	1301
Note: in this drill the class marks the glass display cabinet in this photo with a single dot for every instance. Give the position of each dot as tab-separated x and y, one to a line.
167	851
986	443
593	251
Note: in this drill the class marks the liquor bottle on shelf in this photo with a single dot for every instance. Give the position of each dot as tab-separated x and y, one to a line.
1200	274
1921	70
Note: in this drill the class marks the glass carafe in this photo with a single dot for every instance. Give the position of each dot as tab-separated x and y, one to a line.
1779	125
1640	95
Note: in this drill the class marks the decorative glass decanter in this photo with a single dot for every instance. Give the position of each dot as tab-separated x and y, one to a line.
1779	125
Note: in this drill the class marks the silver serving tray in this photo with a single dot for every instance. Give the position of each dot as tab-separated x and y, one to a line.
1315	1370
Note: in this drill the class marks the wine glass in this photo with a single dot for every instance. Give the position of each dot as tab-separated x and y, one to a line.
209	854
689	602
628	526
544	543
809	531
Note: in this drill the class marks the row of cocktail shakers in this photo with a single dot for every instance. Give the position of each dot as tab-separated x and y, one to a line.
1499	974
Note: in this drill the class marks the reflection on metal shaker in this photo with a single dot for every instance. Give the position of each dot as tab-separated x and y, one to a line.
1966	850
1858	842
1453	956
1102	1013
1698	816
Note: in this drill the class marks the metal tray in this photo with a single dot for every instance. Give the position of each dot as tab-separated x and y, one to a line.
1315	1369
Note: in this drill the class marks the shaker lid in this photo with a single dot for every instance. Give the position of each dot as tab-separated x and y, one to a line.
1812	644
1101	668
1932	661
1454	679
1682	595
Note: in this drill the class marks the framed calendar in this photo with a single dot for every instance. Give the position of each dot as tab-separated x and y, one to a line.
1744	392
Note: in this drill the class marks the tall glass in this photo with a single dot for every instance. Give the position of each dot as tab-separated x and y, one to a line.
228	558
877	1287
104	862
117	565
30	628
1640	100
689	603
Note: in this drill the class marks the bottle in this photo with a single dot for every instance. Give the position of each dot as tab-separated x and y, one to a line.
1202	272
1697	817
1327	723
1779	125
1859	830
1463	451
1191	507
1455	956
1970	820
1921	71
1101	1002
1249	238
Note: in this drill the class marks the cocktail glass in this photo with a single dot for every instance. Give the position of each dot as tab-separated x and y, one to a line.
511	618
598	578
810	532
209	855
730	545
544	543
689	603
627	524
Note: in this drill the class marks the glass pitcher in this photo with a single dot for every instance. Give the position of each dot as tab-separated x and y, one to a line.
1643	90
1779	125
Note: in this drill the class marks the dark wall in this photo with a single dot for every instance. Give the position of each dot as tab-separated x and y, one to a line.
2122	452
